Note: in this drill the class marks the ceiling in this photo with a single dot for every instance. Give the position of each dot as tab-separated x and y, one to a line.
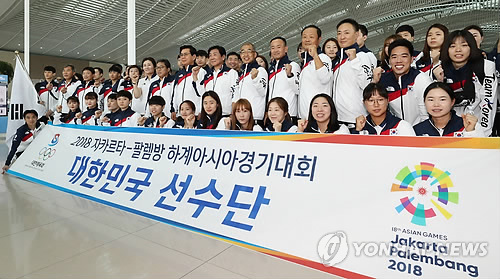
97	30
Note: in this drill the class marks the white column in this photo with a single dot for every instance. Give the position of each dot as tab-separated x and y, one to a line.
27	35
131	32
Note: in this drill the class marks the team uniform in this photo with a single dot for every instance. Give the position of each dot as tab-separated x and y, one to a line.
49	97
111	116
313	82
224	82
343	130
222	126
107	89
454	128
391	126
371	56
151	122
88	117
349	80
22	139
164	88
286	126
280	85
211	123
66	118
179	123
140	104
406	94
184	89
485	102
125	118
70	91
254	90
82	90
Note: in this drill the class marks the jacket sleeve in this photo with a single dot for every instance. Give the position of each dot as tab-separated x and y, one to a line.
421	82
293	82
235	87
57	118
324	73
479	132
405	129
486	98
16	141
260	82
362	65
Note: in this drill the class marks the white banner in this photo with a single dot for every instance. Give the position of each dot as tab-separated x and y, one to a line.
391	207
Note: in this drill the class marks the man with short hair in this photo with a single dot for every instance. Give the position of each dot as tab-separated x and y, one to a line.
407	32
98	79
283	75
183	84
316	75
202	60
86	86
47	89
234	61
67	87
405	84
253	82
352	72
220	78
363	36
113	85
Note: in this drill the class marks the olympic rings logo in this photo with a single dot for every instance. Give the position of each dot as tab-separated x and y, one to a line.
46	153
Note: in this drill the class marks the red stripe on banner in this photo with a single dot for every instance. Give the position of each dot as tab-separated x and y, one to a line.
275	73
457	85
182	78
318	266
27	137
340	64
42	91
208	80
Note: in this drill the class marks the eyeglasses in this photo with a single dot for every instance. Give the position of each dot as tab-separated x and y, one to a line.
371	102
247	51
185	54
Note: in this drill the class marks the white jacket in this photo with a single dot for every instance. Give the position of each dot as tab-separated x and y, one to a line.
184	89
254	90
313	82
224	82
280	85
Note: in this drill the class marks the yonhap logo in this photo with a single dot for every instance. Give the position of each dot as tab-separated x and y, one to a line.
333	248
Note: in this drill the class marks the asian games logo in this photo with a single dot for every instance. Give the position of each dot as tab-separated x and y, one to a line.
48	151
426	192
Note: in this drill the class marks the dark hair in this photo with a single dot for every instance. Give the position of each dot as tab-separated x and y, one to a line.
373	88
299	46
124	93
475	27
282	103
234	53
221	50
99	69
235	124
363	30
278	38
134	67
265	61
190	104
407	28
191	48
73	98
79	76
333	123
351	21
91	95
90	69
151	59
157	100
70	66
26	112
202	52
49	69
475	63
330	40
318	30
401	43
217	113
164	61
112	96
384	57
115	68
427	49
440	85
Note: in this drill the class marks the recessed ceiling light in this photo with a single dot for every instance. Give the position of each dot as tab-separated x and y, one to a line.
41	47
77	52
